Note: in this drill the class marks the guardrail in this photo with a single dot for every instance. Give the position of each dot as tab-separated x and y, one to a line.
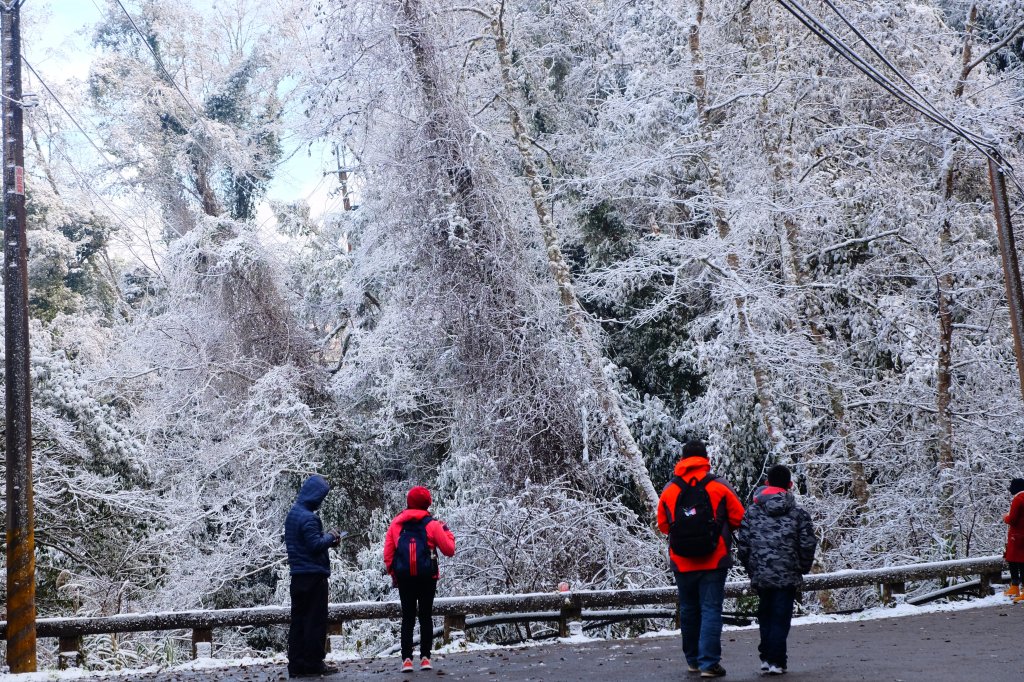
566	607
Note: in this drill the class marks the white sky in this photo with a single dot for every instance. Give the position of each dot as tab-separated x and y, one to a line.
56	40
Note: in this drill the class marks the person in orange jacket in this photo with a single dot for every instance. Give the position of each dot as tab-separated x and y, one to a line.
410	553
1014	554
699	512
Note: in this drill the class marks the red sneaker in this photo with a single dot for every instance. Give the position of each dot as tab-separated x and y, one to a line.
407	665
425	664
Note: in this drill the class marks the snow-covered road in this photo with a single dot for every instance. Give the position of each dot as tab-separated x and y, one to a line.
939	643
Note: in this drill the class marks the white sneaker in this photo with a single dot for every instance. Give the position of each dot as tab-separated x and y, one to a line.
764	666
776	670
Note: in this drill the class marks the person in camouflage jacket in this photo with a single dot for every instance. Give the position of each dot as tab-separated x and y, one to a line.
776	544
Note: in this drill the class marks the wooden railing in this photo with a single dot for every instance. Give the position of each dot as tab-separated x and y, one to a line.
565	607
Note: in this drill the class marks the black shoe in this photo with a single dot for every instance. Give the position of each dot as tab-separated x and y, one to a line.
324	669
714	671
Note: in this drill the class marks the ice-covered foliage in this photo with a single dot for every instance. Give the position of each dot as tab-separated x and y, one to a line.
772	254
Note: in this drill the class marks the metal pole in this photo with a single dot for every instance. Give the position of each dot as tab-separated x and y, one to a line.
1011	267
21	567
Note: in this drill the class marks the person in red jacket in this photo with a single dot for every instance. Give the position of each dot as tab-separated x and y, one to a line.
700	578
410	553
1014	554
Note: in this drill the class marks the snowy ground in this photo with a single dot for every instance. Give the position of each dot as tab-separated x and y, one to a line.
213	665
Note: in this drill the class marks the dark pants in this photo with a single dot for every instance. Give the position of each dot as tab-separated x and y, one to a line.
1016	572
701	594
417	595
774	613
308	631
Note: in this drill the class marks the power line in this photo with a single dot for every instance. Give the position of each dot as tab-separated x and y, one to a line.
159	62
899	74
95	146
56	100
83	181
923	106
160	65
79	174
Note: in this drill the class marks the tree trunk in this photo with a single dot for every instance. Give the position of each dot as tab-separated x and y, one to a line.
762	387
608	400
944	285
794	277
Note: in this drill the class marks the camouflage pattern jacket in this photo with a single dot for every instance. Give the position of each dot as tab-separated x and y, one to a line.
776	540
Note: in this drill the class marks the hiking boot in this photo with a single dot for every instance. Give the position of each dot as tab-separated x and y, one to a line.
425	663
1011	591
326	669
775	670
407	665
714	671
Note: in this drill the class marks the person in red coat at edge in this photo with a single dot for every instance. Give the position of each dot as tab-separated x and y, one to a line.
405	563
701	580
1014	554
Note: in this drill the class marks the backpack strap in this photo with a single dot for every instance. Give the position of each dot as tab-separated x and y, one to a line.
679	483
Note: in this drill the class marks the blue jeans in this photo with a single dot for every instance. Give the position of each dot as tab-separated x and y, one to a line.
701	594
774	613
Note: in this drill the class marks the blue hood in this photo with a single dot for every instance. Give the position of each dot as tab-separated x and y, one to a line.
313	492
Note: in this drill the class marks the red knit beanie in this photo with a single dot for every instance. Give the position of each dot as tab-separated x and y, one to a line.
418	498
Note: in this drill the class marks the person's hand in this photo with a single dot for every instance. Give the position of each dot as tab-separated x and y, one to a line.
336	534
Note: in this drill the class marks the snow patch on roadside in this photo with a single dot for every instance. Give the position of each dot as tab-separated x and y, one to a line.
877	613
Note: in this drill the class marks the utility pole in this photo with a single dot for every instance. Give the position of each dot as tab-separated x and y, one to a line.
1008	251
343	179
21	563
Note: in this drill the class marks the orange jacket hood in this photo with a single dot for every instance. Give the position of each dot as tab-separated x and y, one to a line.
692	467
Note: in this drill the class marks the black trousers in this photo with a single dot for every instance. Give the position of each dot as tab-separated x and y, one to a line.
1016	572
774	614
417	596
308	631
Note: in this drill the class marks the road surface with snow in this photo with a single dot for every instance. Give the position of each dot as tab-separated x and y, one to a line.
976	644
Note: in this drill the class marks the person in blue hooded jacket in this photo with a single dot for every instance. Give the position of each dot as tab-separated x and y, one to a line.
310	567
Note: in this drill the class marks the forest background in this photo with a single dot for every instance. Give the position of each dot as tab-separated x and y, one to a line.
562	238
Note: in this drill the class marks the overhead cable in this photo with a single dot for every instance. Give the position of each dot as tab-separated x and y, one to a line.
159	62
160	65
116	214
921	104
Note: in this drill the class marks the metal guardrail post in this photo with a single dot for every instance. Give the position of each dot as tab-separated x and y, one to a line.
335	629
453	625
202	643
69	652
887	590
570	615
985	584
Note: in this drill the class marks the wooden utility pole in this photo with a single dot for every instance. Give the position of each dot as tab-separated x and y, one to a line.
343	179
21	565
1008	251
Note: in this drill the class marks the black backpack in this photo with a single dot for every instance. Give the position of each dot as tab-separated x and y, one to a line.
694	531
413	557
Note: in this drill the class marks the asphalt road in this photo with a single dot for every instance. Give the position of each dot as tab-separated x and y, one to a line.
983	645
